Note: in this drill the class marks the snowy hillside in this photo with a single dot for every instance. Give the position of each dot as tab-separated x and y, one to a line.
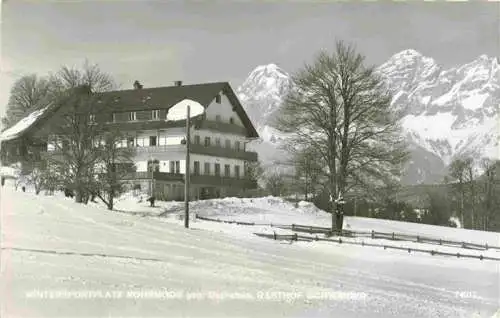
445	113
60	258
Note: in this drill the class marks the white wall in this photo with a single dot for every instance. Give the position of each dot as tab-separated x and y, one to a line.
223	136
165	165
142	166
172	136
222	161
224	109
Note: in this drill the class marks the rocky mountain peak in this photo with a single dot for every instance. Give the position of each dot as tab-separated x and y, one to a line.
445	113
263	91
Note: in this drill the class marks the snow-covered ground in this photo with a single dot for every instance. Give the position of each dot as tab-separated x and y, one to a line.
96	263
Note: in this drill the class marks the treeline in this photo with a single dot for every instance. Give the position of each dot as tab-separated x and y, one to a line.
468	197
86	161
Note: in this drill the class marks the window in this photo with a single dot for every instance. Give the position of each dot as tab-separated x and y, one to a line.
227	170
217	169
92	118
197	140
228	143
217	99
217	142
132	116
231	120
153	165
152	140
175	167
237	145
217	118
196	168
130	142
207	141
207	168
155	114
237	171
139	142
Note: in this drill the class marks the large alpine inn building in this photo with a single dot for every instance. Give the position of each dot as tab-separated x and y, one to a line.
219	157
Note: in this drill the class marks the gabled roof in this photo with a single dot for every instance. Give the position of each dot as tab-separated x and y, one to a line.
23	125
152	98
144	99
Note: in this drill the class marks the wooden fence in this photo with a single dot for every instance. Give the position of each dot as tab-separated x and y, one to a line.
363	234
297	237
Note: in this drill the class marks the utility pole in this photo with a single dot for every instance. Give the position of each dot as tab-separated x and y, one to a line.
187	174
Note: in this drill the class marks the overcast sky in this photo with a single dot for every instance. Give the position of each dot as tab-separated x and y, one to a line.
158	42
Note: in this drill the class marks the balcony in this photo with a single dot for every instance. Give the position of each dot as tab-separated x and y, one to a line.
223	152
164	176
205	180
160	149
215	151
221	127
201	150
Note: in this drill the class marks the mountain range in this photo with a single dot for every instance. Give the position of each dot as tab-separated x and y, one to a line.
445	113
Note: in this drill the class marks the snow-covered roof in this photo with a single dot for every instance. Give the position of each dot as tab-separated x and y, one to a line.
22	125
179	110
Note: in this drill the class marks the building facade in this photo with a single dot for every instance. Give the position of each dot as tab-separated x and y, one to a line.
219	159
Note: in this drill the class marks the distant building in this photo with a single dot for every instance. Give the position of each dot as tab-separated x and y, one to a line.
219	158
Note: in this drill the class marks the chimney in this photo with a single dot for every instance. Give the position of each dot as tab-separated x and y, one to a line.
178	83
137	85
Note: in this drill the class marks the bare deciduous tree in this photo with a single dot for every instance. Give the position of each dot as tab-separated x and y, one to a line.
341	108
275	183
308	172
76	135
491	193
28	93
116	162
458	171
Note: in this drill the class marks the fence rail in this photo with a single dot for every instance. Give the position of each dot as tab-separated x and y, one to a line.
393	236
296	237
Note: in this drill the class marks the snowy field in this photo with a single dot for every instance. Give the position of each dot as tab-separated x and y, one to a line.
61	259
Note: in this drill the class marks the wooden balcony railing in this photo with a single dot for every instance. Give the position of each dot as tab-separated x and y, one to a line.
206	180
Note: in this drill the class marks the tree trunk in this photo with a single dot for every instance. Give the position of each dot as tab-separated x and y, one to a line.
78	196
111	201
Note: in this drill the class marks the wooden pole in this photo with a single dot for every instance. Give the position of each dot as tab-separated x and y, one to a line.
187	172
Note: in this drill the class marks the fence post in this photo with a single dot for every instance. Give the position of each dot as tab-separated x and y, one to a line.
440	242
486	245
296	237
373	234
274	235
458	254
393	236
418	239
340	240
409	250
463	244
481	257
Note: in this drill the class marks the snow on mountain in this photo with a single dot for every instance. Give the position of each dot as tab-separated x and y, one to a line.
262	94
445	113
